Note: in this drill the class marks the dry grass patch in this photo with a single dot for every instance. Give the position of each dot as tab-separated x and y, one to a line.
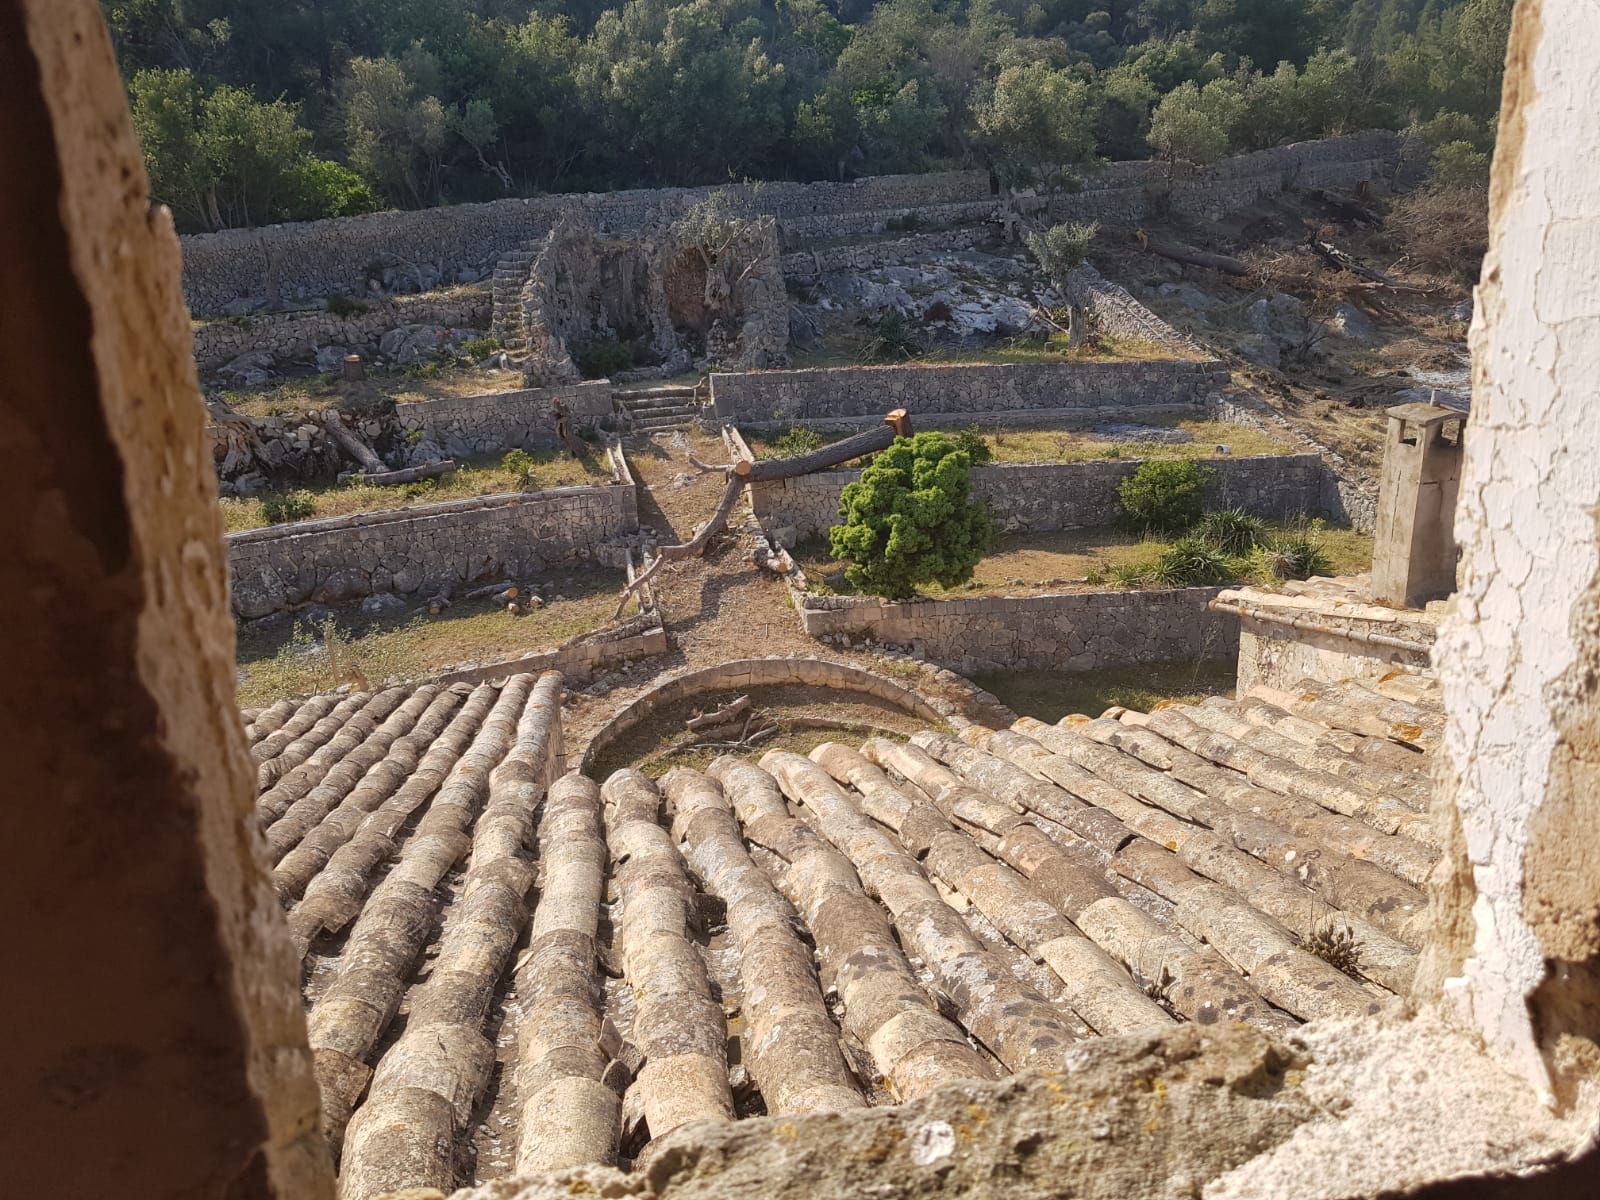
428	381
371	650
484	476
1051	695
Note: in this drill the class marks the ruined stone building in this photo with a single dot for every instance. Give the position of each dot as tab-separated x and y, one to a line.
1334	939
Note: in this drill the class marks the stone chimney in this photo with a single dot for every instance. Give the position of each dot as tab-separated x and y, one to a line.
1414	554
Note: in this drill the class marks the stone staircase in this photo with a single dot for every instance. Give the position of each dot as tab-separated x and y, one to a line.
510	274
652	410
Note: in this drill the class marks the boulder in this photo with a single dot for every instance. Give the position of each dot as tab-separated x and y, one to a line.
381	603
249	370
330	359
1348	321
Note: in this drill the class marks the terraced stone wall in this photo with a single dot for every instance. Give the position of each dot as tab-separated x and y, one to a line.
954	391
293	335
410	550
1044	497
1069	631
459	427
282	263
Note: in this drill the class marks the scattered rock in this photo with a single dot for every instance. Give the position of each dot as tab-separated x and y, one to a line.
382	602
249	370
1348	321
330	359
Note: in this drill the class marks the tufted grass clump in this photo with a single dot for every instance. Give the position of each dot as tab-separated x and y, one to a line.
1337	946
289	506
1231	530
1297	553
797	440
1193	562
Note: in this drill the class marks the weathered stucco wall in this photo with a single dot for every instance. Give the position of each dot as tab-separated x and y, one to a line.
1071	631
1040	497
407	550
844	394
282	263
1520	657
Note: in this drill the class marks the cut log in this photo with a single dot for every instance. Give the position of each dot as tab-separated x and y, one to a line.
678	1024
493	589
353	446
569	1117
790	1041
425	1087
1190	256
719	716
1346	207
432	470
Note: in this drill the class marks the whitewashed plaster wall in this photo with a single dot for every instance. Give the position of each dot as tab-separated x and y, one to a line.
1527	511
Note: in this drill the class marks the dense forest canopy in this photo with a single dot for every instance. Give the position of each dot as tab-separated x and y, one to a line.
254	111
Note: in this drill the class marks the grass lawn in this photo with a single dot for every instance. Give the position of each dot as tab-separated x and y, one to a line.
1058	443
482	476
368	651
1051	695
1071	559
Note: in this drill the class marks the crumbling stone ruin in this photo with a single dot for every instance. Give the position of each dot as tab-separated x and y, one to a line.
703	291
1335	940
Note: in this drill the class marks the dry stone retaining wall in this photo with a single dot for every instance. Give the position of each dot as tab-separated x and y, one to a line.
282	263
409	550
460	427
301	334
758	399
1042	497
1070	631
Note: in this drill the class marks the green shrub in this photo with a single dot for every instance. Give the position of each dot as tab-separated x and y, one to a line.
797	439
1192	562
600	358
345	306
970	438
520	464
290	506
911	520
1163	496
418	489
479	349
1231	530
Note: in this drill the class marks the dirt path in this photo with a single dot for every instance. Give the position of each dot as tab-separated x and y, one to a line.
717	608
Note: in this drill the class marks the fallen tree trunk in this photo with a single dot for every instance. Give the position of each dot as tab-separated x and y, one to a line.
1190	256
357	450
718	716
746	471
432	470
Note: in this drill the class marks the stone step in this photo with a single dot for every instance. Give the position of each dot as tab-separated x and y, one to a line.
655	424
681	410
666	402
654	395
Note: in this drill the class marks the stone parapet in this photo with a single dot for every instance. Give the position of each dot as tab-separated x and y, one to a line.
1067	631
